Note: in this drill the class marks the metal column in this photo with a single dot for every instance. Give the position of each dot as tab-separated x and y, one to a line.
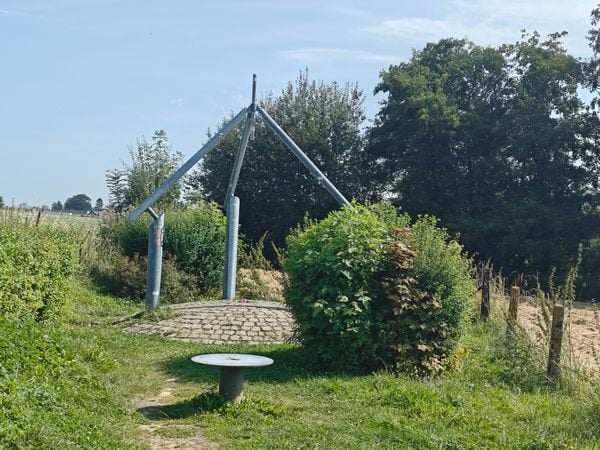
155	251
232	204
233	217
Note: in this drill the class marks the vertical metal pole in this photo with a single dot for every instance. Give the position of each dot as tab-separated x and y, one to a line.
233	217
155	251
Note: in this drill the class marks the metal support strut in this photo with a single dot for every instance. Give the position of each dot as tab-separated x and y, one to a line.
298	153
232	203
233	218
155	250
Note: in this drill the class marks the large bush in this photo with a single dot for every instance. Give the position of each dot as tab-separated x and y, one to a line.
193	237
36	262
369	291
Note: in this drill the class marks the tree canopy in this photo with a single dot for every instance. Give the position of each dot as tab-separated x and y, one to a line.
497	143
274	188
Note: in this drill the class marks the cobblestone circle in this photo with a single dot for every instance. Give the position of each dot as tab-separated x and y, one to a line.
224	322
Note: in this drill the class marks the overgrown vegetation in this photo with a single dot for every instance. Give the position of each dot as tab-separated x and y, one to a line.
72	382
36	262
193	245
367	293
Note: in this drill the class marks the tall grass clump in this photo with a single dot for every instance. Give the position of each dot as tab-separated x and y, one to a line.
36	262
369	290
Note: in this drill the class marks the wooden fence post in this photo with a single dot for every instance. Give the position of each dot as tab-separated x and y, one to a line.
485	294
558	318
513	307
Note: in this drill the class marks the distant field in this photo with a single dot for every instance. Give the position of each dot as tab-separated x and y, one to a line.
50	217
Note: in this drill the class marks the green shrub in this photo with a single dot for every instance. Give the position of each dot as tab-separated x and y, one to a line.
444	271
331	265
36	262
194	237
368	292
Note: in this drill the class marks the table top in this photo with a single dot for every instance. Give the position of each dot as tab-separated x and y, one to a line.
232	360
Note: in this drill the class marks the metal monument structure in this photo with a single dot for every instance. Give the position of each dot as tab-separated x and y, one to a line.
231	203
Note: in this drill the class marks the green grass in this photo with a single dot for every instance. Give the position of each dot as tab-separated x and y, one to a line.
495	398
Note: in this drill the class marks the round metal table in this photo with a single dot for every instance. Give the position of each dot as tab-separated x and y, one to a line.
231	365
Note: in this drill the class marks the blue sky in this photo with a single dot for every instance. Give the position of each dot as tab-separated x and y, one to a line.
80	80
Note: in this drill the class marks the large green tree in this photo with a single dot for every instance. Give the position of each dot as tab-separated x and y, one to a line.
79	202
151	164
275	189
497	143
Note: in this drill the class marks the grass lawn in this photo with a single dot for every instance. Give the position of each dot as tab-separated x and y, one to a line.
495	398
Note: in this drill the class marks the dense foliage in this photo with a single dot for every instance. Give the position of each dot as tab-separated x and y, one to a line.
275	189
425	290
36	262
125	277
193	237
367	291
497	143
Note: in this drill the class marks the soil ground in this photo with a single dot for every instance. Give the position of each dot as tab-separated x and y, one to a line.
582	335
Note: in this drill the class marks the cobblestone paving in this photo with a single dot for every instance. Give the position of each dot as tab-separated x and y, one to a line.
224	322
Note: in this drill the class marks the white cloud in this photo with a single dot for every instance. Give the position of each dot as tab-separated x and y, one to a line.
425	29
492	22
317	54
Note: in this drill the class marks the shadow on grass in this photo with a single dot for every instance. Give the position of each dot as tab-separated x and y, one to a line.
203	403
290	362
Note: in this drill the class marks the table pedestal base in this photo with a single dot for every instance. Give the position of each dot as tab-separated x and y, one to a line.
231	383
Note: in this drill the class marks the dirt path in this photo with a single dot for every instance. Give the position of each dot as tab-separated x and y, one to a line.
160	433
583	338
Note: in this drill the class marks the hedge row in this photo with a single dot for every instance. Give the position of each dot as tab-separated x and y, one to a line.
35	264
